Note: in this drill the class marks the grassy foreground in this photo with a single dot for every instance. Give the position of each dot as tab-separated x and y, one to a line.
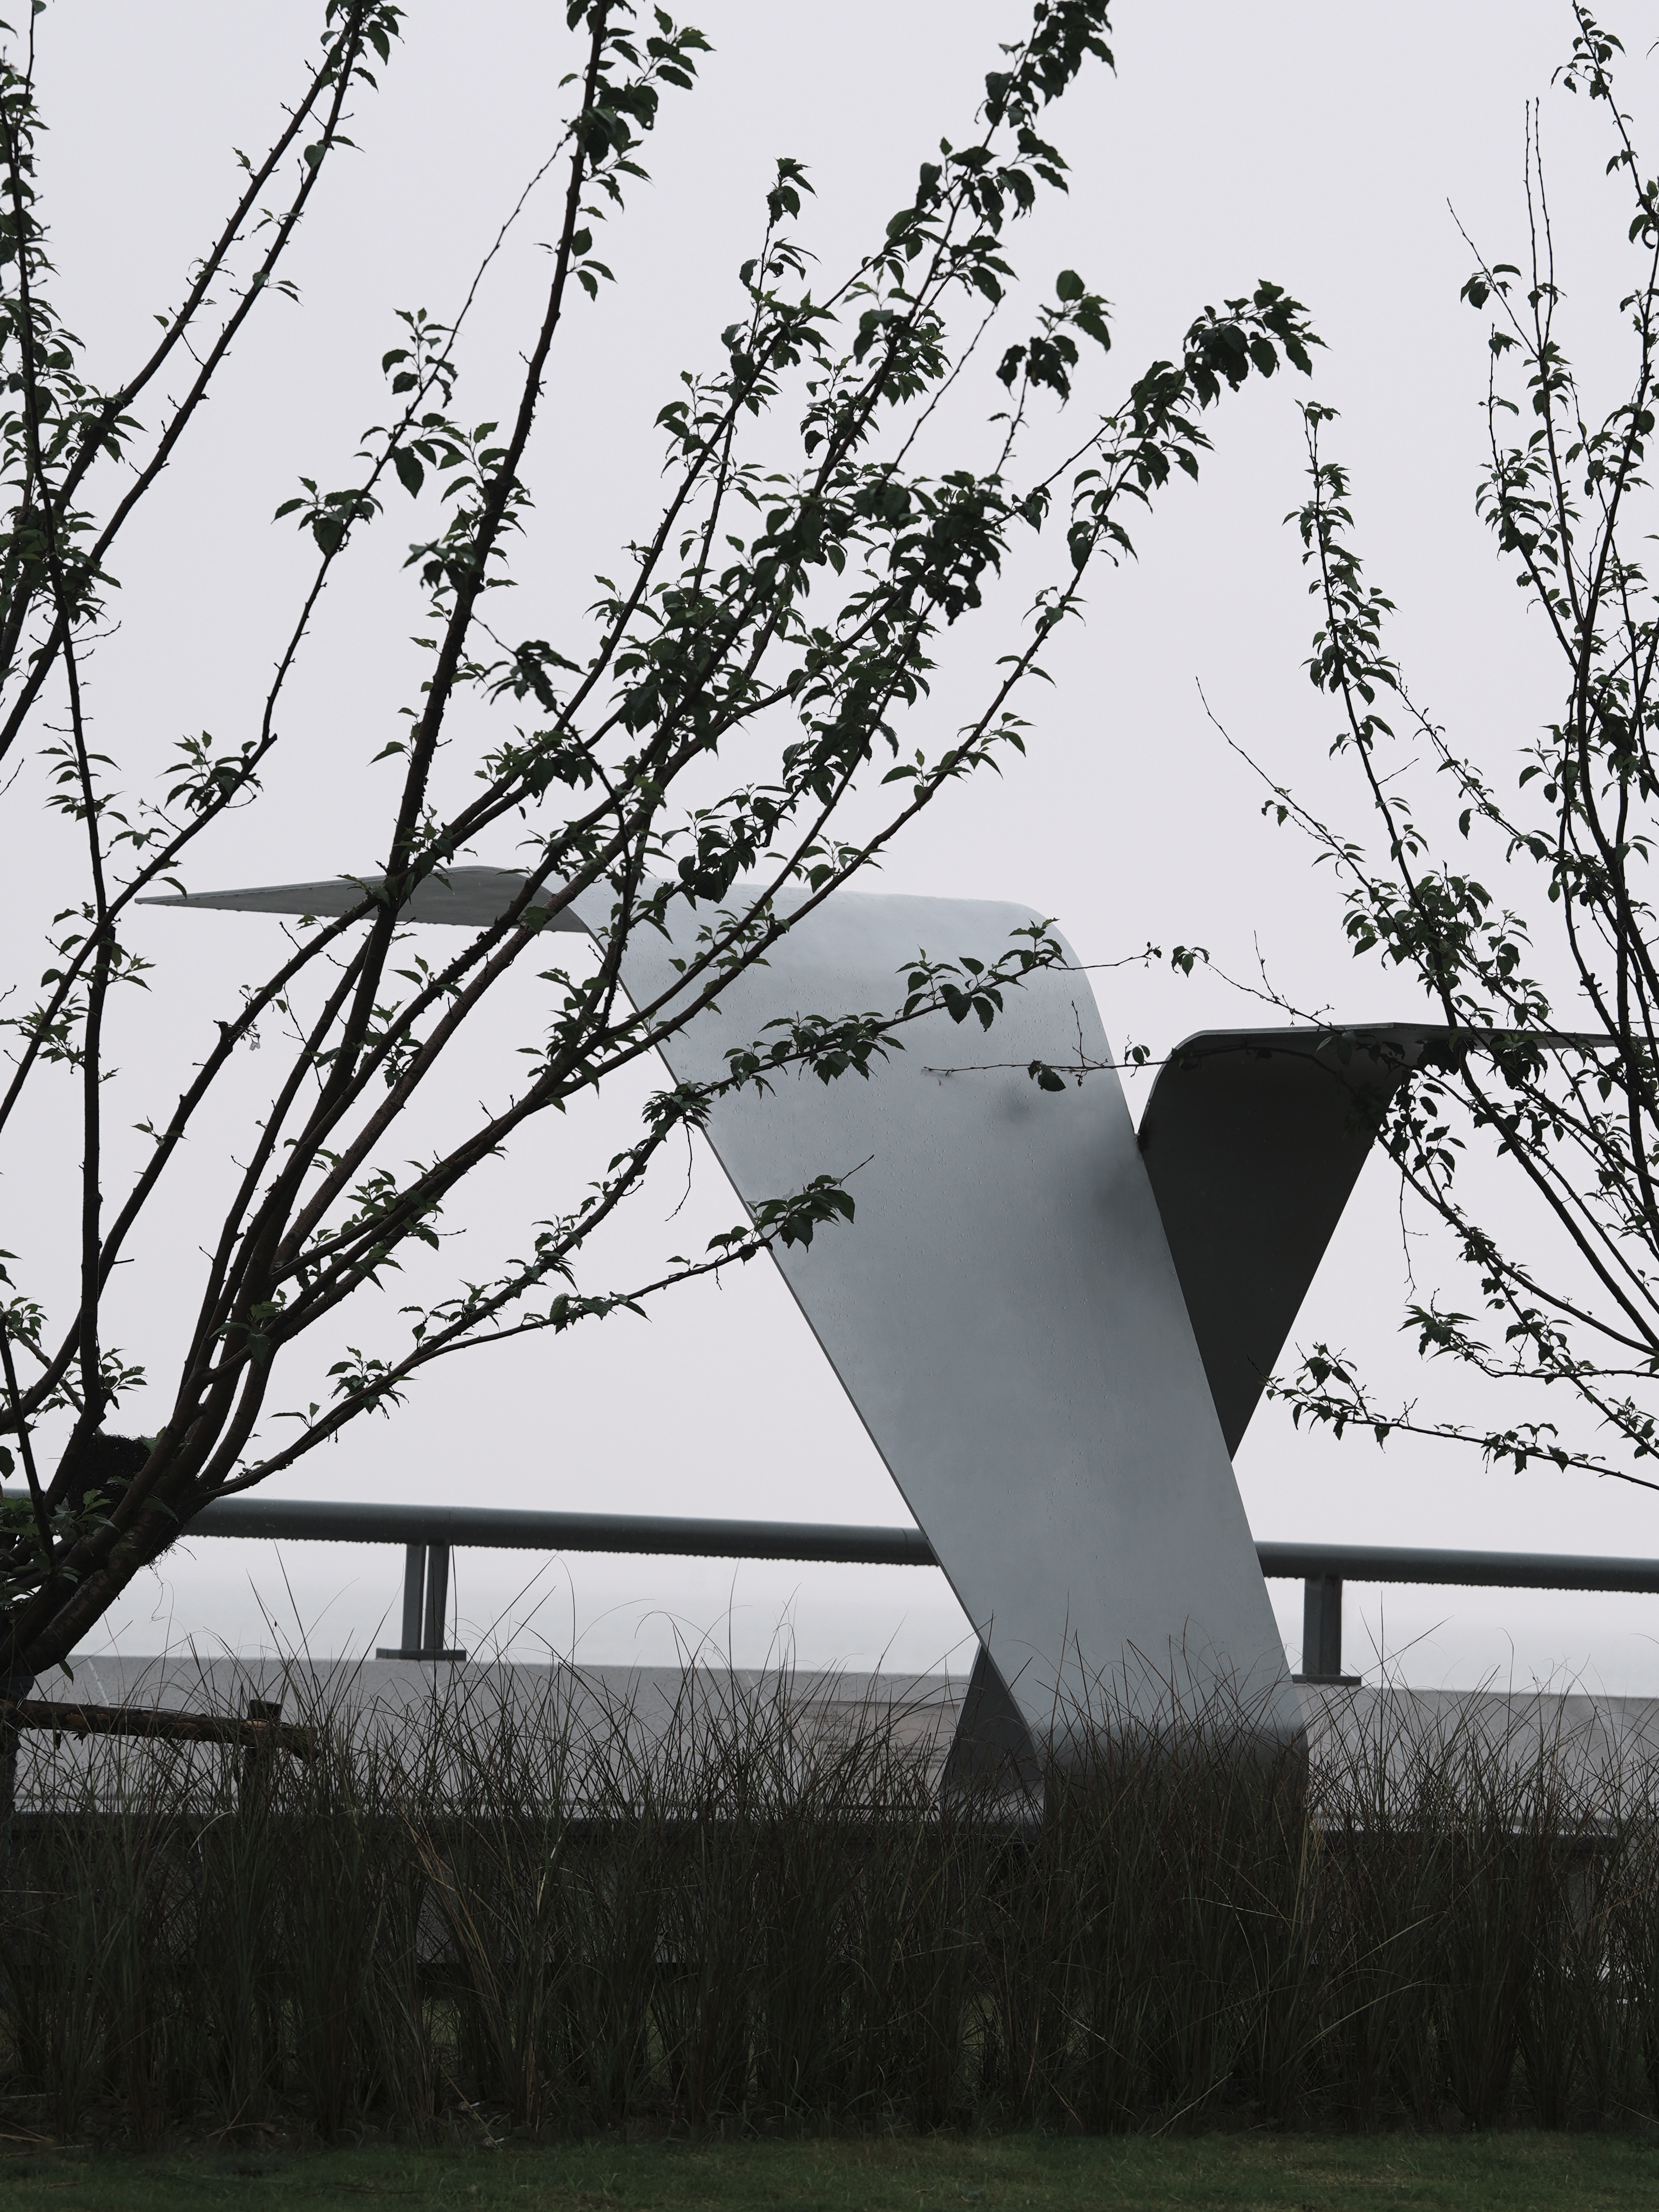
1008	2174
591	1921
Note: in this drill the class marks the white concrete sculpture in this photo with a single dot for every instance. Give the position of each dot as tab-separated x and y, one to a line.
1006	1314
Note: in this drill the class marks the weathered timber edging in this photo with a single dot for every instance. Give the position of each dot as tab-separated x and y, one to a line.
146	1721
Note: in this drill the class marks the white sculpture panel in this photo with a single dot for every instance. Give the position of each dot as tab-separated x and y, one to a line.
1004	1313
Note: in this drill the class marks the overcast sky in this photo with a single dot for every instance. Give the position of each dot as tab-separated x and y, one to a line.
1325	146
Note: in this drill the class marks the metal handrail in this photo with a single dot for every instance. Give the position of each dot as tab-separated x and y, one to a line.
1322	1569
512	1529
1402	1563
297	1520
428	1532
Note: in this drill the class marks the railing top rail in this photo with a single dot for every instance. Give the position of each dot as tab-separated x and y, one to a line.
307	1520
521	1529
1403	1563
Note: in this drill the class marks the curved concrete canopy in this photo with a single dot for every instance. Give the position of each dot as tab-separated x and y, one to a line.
1007	1313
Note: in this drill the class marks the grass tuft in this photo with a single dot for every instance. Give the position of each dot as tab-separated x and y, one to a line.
529	1908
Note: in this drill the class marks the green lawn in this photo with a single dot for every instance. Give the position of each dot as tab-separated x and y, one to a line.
1008	2173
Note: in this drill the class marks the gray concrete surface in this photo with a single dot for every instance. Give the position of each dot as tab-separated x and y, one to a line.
1593	1743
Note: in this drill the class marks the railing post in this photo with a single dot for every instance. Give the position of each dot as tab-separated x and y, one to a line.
437	1600
1321	1632
408	1646
426	1605
414	1592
